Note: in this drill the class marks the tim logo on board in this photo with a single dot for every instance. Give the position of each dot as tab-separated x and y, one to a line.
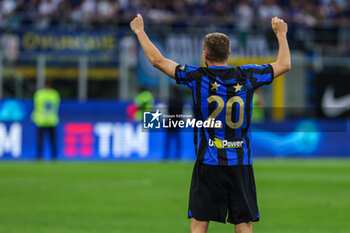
11	140
106	140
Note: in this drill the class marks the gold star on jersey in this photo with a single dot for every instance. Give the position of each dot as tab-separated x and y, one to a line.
238	87
215	86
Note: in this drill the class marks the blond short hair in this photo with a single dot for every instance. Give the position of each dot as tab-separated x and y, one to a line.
217	46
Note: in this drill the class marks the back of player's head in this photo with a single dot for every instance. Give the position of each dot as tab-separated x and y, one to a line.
49	84
217	46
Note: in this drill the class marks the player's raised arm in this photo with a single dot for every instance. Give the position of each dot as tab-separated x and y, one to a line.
153	54
283	62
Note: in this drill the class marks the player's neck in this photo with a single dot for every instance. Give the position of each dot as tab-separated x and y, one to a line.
216	63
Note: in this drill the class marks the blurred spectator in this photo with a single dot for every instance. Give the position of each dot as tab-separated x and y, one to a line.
26	11
311	13
107	11
9	45
7	7
47	8
179	10
124	4
242	13
330	12
46	11
294	13
160	12
88	9
222	13
85	12
203	13
269	9
345	18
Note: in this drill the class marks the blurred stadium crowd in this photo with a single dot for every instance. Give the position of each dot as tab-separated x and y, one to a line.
108	13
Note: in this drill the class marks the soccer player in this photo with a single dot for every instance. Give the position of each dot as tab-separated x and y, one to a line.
223	179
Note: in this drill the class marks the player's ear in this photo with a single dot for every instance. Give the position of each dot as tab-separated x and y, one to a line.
205	54
229	52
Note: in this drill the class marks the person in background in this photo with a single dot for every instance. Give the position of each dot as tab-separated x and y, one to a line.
45	117
244	11
175	106
144	101
258	115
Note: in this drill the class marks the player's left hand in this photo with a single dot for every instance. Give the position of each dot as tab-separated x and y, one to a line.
279	26
137	24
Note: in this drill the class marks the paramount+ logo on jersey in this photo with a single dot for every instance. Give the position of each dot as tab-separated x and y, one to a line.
158	120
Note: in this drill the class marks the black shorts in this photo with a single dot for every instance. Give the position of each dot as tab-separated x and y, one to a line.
218	189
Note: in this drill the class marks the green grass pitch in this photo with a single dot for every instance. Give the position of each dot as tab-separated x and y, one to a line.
295	196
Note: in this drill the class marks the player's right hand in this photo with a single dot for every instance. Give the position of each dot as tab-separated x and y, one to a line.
279	26
137	24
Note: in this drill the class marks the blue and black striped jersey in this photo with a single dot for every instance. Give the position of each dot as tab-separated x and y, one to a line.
224	93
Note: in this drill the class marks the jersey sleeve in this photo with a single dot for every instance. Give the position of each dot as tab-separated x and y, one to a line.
184	75
258	75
